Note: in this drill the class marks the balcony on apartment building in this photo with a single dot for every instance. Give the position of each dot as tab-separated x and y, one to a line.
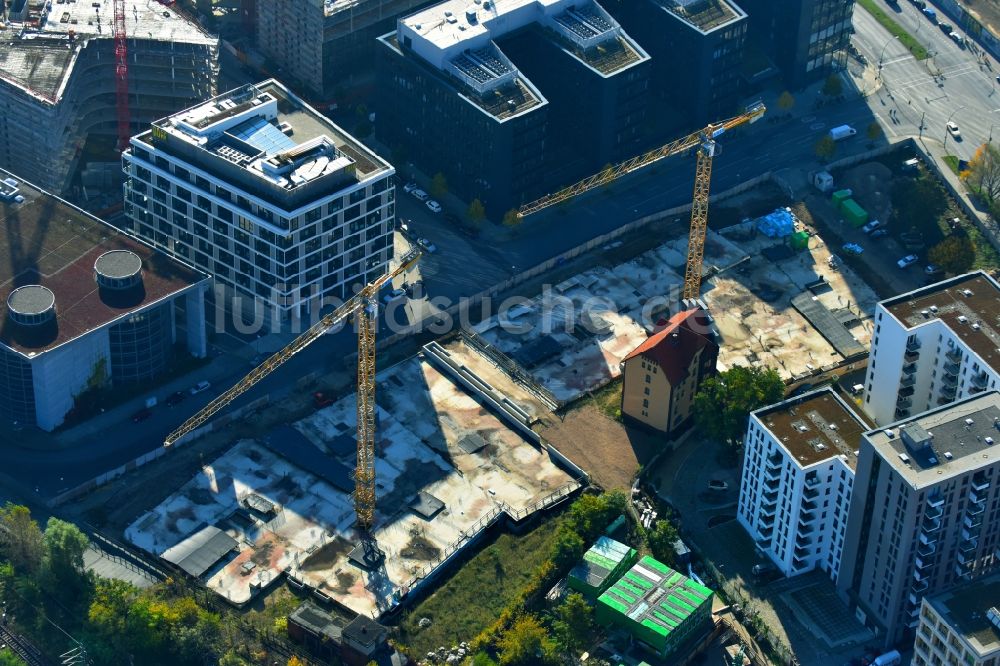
923	563
979	380
934	510
963	571
954	354
928	538
909	369
913	346
949	381
930	525
973	523
902	413
980	483
918	587
907	381
935	500
966	558
926	550
968	545
971	535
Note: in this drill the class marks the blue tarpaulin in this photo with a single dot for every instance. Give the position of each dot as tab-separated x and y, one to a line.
777	224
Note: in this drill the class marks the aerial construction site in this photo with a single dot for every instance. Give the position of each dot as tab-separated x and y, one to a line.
58	80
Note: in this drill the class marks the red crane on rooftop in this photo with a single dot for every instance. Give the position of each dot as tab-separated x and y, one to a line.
121	75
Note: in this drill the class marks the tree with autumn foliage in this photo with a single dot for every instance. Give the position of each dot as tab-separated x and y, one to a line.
983	172
955	254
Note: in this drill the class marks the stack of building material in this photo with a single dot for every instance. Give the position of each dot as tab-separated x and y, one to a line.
605	562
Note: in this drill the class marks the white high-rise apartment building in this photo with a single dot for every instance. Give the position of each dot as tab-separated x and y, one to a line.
265	194
933	346
798	471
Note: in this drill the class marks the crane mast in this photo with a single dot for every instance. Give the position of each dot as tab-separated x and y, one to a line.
121	76
364	305
364	473
704	139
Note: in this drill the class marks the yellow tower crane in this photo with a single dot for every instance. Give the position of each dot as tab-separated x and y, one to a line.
705	141
364	305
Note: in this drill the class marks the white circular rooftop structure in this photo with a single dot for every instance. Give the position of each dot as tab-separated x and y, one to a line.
31	305
118	270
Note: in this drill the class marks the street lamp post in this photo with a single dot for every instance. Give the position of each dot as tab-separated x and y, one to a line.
881	56
952	115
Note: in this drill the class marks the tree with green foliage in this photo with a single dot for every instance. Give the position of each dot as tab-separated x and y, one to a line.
65	545
20	538
476	212
786	101
919	203
723	404
660	538
589	515
833	86
483	659
568	547
825	148
439	185
874	131
232	659
527	643
8	658
983	172
512	219
955	254
573	624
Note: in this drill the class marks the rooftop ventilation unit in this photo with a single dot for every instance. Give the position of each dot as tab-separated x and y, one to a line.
118	270
967	292
989	441
934	309
969	422
31	305
925	313
962	319
905	458
947	455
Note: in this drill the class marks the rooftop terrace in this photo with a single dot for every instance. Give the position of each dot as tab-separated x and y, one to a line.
49	242
968	304
942	443
703	15
815	426
37	52
271	135
966	609
457	37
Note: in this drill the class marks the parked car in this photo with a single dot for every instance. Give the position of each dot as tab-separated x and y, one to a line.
871	226
428	246
199	387
907	261
765	571
390	296
142	415
419	195
409	187
716	484
852	249
434	206
945	28
18	199
932	269
953	130
957	38
175	398
880	233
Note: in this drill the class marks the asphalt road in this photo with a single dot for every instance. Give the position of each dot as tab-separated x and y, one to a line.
967	94
463	266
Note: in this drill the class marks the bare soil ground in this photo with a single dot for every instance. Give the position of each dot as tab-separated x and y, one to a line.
607	450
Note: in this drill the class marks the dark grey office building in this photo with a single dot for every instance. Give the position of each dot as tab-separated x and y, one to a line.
697	50
511	101
925	512
806	39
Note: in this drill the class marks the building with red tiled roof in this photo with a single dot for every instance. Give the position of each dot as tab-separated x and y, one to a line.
87	306
662	375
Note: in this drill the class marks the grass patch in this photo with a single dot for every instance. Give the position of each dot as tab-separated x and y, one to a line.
987	257
952	162
472	599
887	22
608	399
